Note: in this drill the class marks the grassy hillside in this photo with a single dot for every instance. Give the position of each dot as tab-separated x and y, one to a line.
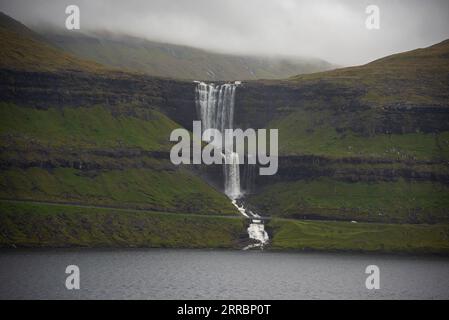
325	198
415	77
168	60
344	236
160	188
42	225
85	127
22	49
316	132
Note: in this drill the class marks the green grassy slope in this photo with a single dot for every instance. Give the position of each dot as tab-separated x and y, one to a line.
315	132
399	201
86	128
415	77
42	225
22	49
167	60
345	236
158	188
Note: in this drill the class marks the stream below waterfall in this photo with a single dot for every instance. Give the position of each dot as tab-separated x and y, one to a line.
215	107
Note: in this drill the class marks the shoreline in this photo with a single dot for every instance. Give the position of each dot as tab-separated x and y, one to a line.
33	226
404	254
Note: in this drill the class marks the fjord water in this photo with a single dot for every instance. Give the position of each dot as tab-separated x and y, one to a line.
217	274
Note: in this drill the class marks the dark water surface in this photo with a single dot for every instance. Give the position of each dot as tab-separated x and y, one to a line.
215	274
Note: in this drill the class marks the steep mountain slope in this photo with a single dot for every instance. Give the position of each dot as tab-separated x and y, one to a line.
22	49
417	77
181	62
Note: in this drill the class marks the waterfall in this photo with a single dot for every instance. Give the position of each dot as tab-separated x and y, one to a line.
232	175
215	107
249	178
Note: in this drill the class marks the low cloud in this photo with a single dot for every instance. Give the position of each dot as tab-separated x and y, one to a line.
332	30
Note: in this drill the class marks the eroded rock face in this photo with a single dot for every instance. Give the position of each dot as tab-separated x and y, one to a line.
292	168
76	89
259	103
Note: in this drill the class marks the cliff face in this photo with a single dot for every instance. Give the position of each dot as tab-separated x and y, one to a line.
120	91
259	103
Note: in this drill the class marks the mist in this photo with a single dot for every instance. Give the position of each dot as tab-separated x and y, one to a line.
331	30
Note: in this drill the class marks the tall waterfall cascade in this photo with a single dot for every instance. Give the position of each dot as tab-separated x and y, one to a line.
215	107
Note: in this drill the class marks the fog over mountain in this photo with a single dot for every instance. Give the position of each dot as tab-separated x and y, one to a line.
330	30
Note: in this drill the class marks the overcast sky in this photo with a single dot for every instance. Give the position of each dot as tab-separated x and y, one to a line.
332	30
